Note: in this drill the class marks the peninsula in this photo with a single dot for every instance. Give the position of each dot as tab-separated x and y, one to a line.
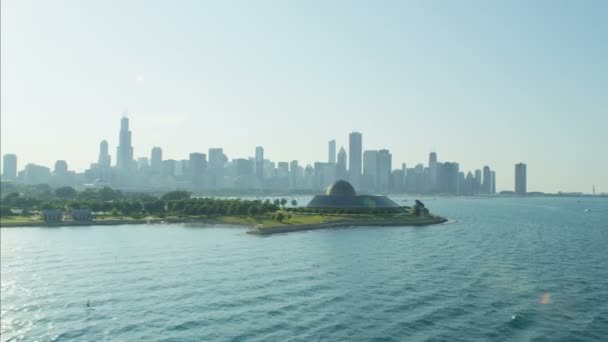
339	207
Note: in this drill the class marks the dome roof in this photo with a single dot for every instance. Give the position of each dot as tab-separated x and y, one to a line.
341	188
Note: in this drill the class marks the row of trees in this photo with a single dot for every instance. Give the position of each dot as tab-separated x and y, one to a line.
115	203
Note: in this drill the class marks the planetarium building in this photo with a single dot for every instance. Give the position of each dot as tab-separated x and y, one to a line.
341	194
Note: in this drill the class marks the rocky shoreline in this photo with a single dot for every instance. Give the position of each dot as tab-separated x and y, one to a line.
345	224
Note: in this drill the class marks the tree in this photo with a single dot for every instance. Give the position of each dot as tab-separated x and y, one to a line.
5	211
283	202
108	194
277	202
155	207
294	203
65	192
176	195
280	216
253	210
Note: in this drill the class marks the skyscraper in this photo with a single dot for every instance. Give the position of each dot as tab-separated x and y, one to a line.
124	151
486	186
355	150
385	165
156	160
293	174
520	179
259	162
369	179
341	166
197	164
104	159
493	186
332	151
9	167
434	171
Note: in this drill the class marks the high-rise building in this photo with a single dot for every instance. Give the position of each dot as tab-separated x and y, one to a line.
448	177
156	160
198	164
217	159
124	151
520	179
477	182
385	165
9	167
341	166
104	160
259	162
355	150
168	167
434	171
293	174
369	179
493	186
486	186
61	168
332	151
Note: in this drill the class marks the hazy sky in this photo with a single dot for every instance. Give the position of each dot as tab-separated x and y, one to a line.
480	82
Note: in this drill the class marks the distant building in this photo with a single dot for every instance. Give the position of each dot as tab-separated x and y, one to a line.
355	146
9	167
217	161
487	180
198	165
434	172
259	162
168	167
342	195
493	187
82	214
51	215
331	152
143	164
104	160
124	151
325	174
385	165
156	160
61	168
449	177
341	165
294	177
369	179
520	179
36	174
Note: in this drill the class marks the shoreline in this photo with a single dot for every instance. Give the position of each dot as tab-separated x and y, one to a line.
253	229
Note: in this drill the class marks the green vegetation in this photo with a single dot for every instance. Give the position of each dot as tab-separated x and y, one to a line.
109	205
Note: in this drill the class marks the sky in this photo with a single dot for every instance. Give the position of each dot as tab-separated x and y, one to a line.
479	82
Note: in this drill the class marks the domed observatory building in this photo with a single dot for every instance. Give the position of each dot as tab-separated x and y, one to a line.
342	195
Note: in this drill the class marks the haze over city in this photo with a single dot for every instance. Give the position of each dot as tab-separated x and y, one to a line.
481	84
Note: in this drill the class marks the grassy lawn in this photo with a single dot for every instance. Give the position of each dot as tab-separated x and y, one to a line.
20	219
299	219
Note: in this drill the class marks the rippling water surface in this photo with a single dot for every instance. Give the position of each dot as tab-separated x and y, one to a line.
507	269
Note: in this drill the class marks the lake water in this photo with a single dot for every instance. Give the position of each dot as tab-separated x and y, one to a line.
507	269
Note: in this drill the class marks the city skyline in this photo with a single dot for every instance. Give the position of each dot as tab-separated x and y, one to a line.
368	170
131	162
413	77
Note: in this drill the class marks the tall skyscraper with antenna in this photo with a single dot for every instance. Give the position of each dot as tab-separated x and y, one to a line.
124	151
